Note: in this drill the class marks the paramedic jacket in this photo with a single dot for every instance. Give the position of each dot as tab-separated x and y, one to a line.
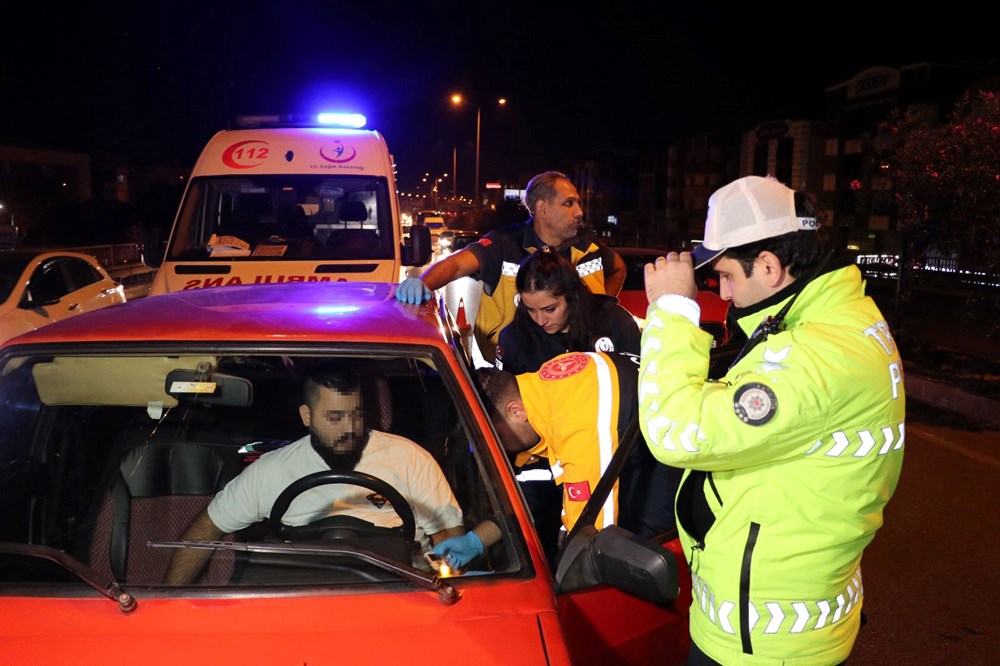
790	460
500	253
580	404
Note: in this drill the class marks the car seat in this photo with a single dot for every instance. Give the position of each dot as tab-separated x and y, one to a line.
152	492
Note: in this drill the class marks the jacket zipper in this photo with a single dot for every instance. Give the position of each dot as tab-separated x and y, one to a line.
745	587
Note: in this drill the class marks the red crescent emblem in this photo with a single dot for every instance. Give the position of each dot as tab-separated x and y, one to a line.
245	154
578	492
564	366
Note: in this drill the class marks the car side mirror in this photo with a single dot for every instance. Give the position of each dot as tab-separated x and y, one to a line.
615	557
418	251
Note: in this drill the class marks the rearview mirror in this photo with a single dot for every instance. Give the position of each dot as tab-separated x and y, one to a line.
212	388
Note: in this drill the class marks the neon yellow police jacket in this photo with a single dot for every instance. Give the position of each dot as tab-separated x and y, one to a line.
790	460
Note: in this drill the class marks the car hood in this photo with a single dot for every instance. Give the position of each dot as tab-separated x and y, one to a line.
376	629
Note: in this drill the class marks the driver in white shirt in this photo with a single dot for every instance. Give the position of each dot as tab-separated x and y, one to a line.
332	409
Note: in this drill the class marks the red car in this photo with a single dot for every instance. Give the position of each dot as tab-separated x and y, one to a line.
121	424
633	293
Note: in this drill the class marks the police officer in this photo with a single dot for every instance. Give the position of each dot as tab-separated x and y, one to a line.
793	455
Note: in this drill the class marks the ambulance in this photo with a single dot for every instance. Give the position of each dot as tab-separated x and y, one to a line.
290	198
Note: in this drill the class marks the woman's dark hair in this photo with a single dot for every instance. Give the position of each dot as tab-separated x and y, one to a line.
547	270
797	251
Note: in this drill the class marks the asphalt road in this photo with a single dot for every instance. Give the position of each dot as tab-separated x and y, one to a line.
930	576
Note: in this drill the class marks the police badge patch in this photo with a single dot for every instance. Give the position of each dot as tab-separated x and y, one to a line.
755	404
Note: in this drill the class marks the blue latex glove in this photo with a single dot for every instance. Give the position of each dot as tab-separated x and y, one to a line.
459	551
413	290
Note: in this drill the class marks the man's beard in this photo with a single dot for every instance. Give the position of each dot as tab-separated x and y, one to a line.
340	461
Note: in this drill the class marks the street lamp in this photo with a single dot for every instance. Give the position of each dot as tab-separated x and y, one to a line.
458	100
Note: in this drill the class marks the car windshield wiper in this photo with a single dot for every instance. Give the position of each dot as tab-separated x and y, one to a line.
446	592
106	586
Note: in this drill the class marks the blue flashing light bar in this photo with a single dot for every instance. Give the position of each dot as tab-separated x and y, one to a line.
331	120
352	120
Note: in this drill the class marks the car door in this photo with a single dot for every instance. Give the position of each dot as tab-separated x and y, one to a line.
88	288
607	626
42	300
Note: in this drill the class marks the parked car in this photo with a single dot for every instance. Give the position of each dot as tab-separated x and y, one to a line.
453	241
121	426
38	287
633	293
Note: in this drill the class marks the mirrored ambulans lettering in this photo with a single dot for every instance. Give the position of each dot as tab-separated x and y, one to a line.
201	283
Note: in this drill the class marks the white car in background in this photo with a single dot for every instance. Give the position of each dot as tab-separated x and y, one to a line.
38	287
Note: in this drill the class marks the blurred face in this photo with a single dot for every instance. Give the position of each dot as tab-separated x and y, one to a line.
547	311
559	219
516	434
337	427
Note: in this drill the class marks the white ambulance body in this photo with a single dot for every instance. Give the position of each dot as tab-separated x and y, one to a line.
289	204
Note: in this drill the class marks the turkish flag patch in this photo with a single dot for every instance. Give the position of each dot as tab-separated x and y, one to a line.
578	492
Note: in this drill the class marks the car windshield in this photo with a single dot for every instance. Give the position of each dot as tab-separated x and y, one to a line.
284	217
110	457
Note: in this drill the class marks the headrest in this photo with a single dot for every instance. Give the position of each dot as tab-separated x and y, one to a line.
353	211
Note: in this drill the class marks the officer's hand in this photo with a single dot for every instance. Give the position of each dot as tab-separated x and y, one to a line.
670	274
459	551
413	290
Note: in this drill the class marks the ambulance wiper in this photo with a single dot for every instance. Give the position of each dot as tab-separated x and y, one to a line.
448	595
106	586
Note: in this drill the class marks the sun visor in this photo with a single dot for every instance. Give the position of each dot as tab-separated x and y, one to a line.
111	380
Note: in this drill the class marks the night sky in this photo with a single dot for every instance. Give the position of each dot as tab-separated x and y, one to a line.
154	80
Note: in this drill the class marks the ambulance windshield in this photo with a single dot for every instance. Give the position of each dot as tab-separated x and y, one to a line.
284	217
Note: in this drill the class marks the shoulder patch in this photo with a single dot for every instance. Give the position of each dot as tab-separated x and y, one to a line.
604	344
755	403
485	242
564	366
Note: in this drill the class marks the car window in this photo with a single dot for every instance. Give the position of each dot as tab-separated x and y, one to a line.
80	273
114	455
285	217
48	281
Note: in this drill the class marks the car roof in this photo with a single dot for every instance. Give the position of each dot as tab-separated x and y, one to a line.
31	253
290	312
638	251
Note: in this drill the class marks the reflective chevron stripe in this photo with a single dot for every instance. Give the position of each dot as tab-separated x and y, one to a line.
863	442
509	269
792	617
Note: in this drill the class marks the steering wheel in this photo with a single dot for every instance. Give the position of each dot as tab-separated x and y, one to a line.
334	525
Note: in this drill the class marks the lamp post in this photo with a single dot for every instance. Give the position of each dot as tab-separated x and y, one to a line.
457	99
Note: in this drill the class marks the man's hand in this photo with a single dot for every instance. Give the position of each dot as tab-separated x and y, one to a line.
672	274
413	290
459	551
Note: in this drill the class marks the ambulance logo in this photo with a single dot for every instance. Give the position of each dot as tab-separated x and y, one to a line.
564	366
246	154
338	153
